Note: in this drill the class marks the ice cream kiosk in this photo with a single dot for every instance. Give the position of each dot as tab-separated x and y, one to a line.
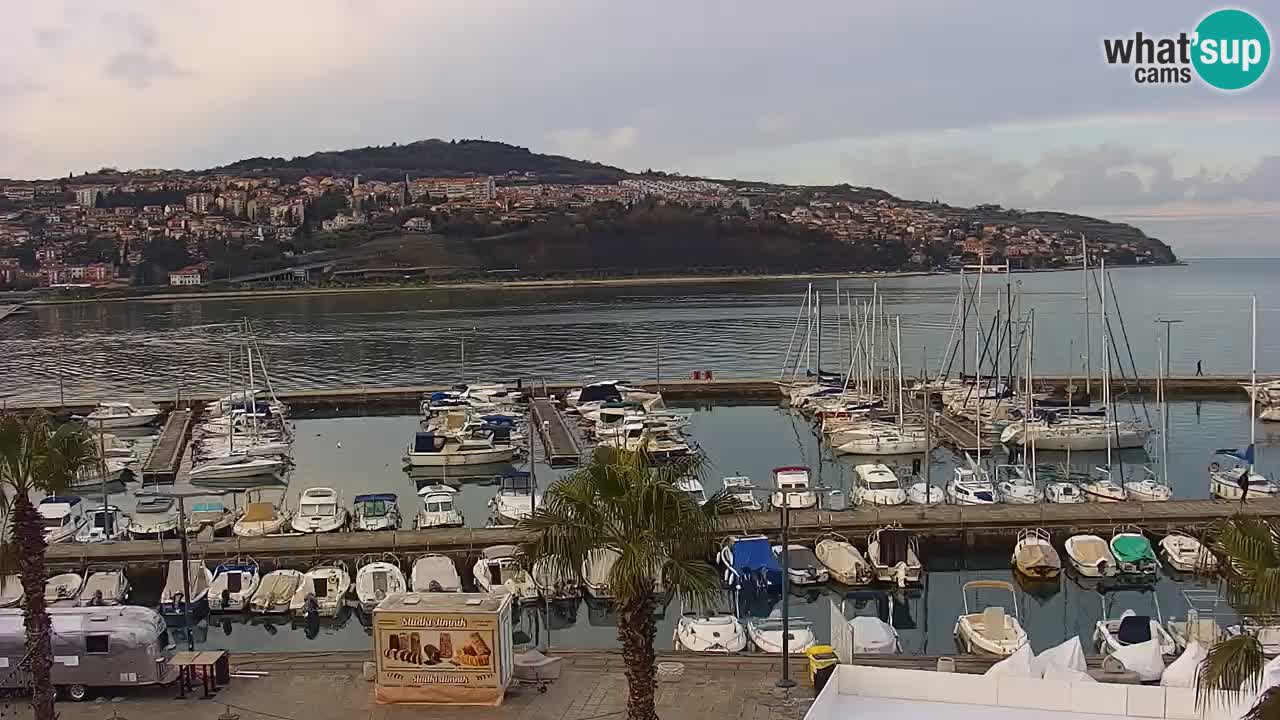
442	648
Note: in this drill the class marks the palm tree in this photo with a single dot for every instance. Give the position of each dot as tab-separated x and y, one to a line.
624	502
36	457
1249	551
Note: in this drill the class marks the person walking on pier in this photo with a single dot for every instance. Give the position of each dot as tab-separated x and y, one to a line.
1199	368
1243	483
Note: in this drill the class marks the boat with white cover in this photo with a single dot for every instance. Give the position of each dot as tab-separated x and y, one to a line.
174	598
554	583
435	573
233	586
714	633
153	517
792	488
319	510
104	587
894	556
104	523
767	634
62	517
1185	553
803	567
1034	555
63	590
871	634
236	467
497	570
595	572
376	579
923	493
1090	556
438	509
876	484
120	415
741	491
323	590
1113	633
843	561
260	519
275	591
992	631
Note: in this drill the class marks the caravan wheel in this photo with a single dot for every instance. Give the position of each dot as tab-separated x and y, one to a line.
77	692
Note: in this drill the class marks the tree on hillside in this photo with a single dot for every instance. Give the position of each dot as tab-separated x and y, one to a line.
1248	550
624	503
37	459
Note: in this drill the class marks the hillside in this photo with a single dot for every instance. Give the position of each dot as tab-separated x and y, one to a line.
434	157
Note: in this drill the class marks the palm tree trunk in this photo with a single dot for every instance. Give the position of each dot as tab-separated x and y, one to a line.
29	537
636	631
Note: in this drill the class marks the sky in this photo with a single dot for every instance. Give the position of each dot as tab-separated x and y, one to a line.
967	101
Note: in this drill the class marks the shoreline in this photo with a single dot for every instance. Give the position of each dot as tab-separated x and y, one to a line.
517	285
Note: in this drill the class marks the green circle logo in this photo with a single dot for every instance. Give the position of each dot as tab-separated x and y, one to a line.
1232	49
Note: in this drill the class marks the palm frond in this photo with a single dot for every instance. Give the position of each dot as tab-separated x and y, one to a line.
1267	707
1233	665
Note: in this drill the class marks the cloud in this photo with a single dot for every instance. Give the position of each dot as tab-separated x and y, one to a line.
141	62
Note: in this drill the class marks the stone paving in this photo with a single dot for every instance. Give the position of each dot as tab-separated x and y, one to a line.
710	691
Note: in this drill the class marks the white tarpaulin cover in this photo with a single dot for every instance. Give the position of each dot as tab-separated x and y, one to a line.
1062	662
1016	665
873	635
1183	671
1143	658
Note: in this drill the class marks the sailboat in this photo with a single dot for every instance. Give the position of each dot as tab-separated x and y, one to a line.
1152	487
1240	480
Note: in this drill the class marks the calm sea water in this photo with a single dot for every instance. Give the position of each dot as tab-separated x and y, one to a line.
735	329
749	439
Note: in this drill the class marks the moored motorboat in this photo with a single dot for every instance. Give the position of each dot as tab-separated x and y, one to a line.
713	633
1061	492
104	587
319	510
375	511
154	517
924	493
803	567
554	582
767	634
63	590
876	484
104	523
435	573
1101	488
275	591
1034	555
741	490
843	561
323	590
236	467
62	517
692	487
870	634
894	556
432	450
1130	628
497	570
259	519
595	572
970	486
1133	552
749	562
516	498
376	579
1185	553
1090	556
175	601
438	510
120	415
992	631
792	489
210	518
233	586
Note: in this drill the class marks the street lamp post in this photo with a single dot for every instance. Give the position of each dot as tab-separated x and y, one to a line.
1168	342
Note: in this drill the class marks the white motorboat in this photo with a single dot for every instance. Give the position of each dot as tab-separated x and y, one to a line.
1034	555
767	634
749	561
435	573
886	443
432	450
1076	434
554	583
259	519
319	510
516	498
377	579
174	599
1185	553
595	572
210	518
1063	493
741	490
843	561
375	511
1230	483
871	634
803	567
1130	628
894	556
876	484
1090	556
992	631
1148	489
923	493
236	467
104	587
715	633
498	571
970	486
104	523
323	590
62	517
63	590
120	415
1101	488
691	487
111	471
792	489
276	591
154	517
438	510
1014	487
234	584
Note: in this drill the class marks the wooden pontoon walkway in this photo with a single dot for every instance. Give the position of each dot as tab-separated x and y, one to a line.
992	525
166	456
559	445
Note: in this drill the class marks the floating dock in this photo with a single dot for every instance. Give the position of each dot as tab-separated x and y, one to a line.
166	456
969	526
7	310
559	445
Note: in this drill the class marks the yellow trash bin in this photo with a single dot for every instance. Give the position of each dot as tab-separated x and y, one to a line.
822	662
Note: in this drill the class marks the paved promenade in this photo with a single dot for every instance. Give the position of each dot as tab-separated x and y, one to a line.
592	687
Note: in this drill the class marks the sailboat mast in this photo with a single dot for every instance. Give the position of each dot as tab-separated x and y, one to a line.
964	325
786	360
1164	419
897	330
1106	369
1253	378
817	307
1028	405
1088	341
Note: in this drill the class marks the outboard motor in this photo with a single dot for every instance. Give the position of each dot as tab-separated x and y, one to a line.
226	598
311	606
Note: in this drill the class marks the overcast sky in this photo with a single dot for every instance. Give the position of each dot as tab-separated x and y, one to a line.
984	101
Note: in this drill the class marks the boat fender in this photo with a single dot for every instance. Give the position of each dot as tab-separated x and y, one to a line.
1214	467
